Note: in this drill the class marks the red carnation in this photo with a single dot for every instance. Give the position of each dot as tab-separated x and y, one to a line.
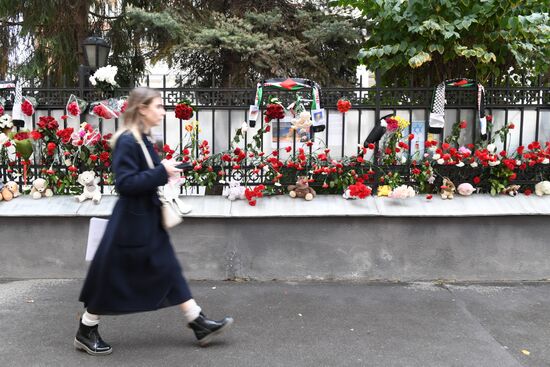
343	105
101	111
1	110
477	180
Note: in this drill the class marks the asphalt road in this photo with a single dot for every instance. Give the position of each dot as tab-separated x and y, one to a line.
292	325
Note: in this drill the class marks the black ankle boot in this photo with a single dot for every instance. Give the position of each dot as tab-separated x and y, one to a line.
205	329
88	339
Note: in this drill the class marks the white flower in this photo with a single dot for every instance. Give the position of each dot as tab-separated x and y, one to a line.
545	161
222	181
431	180
518	162
403	159
6	122
440	161
3	138
495	163
491	148
460	164
277	184
402	192
384	124
68	162
93	81
473	164
244	127
436	157
432	149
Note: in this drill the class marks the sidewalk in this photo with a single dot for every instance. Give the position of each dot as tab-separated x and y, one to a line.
292	325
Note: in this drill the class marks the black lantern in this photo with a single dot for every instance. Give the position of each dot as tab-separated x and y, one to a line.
96	52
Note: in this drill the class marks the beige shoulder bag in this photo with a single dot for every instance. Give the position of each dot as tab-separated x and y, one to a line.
171	215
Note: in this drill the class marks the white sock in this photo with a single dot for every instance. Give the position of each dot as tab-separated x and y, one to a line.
192	310
89	319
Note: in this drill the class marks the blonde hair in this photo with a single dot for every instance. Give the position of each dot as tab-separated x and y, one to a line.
132	118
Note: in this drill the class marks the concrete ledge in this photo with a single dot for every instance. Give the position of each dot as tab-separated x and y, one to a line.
284	206
477	238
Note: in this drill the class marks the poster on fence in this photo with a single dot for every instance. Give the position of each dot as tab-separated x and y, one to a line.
417	144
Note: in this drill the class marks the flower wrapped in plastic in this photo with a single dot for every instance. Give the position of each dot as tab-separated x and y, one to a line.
106	109
75	106
28	106
402	192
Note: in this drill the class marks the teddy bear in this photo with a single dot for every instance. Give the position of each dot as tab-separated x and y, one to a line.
511	190
234	191
40	189
301	189
542	188
91	190
447	189
301	124
465	189
9	191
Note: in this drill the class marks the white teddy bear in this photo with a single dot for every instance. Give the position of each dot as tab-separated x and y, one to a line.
91	189
542	188
40	189
234	191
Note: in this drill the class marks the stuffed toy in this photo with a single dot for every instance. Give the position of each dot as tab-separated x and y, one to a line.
91	190
465	189
301	189
511	190
447	189
234	191
40	189
9	191
301	124
542	188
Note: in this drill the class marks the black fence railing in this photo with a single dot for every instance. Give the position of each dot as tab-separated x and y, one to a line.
221	111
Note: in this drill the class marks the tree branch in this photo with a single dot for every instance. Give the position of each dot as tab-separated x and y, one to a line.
104	16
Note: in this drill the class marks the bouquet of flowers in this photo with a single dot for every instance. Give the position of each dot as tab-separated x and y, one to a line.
393	145
75	106
275	110
183	110
104	78
343	105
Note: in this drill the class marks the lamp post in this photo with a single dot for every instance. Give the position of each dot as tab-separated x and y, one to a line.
96	52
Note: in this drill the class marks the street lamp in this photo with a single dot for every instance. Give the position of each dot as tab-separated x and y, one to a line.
96	52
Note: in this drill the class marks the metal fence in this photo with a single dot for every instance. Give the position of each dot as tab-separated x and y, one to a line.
221	112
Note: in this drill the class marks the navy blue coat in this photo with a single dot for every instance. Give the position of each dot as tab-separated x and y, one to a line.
135	267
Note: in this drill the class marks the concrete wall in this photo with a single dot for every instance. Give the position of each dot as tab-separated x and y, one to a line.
350	248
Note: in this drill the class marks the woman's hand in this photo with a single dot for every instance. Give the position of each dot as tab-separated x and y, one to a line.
170	168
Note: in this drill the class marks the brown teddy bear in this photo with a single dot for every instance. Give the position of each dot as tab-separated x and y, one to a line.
9	191
301	189
447	189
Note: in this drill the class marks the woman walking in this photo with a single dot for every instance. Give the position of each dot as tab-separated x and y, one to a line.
135	268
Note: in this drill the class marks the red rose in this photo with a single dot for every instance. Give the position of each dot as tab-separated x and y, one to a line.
288	149
477	180
462	124
35	135
429	196
93	157
104	156
527	192
51	146
183	111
